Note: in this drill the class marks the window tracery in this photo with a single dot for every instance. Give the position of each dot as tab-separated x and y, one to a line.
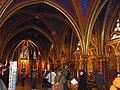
116	33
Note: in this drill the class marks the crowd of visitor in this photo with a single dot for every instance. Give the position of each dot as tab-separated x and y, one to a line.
60	79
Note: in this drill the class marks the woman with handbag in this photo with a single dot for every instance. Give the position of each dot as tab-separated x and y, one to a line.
59	81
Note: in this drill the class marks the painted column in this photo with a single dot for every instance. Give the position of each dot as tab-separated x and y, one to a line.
118	64
104	67
85	57
100	63
0	47
108	73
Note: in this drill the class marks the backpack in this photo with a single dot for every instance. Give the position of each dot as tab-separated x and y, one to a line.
23	74
34	75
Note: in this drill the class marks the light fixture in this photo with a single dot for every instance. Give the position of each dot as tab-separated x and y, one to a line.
78	48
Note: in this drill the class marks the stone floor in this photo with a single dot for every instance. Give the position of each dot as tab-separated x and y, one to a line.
28	86
39	83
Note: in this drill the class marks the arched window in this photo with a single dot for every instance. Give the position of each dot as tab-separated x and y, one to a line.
34	55
24	53
116	33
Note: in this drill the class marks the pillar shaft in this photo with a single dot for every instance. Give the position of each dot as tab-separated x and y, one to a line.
118	64
104	66
85	57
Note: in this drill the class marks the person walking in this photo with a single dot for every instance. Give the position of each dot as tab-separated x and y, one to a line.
99	78
82	81
60	79
50	78
33	79
44	81
23	77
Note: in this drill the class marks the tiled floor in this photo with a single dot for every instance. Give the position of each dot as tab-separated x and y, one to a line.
39	83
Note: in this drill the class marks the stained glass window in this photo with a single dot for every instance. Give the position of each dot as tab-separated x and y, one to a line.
116	32
24	53
34	55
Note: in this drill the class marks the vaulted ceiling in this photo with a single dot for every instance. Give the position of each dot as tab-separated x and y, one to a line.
40	23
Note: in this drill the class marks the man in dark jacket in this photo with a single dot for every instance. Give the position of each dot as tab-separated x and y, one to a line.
44	80
82	81
6	77
99	78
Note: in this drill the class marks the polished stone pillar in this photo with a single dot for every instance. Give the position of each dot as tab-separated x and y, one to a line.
85	57
104	67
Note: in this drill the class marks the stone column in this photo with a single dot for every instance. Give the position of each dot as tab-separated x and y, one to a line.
100	59
85	57
107	72
104	67
77	64
0	48
118	64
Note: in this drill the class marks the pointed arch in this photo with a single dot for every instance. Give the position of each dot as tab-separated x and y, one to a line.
52	4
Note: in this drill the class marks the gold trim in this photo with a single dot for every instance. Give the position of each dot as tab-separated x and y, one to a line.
103	28
17	47
113	42
92	22
5	7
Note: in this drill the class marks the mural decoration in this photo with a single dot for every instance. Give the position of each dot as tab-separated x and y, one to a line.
67	4
84	5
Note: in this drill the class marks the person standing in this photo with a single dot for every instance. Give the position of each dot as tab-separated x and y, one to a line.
33	79
60	79
99	78
67	77
44	81
23	77
82	81
6	77
51	77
